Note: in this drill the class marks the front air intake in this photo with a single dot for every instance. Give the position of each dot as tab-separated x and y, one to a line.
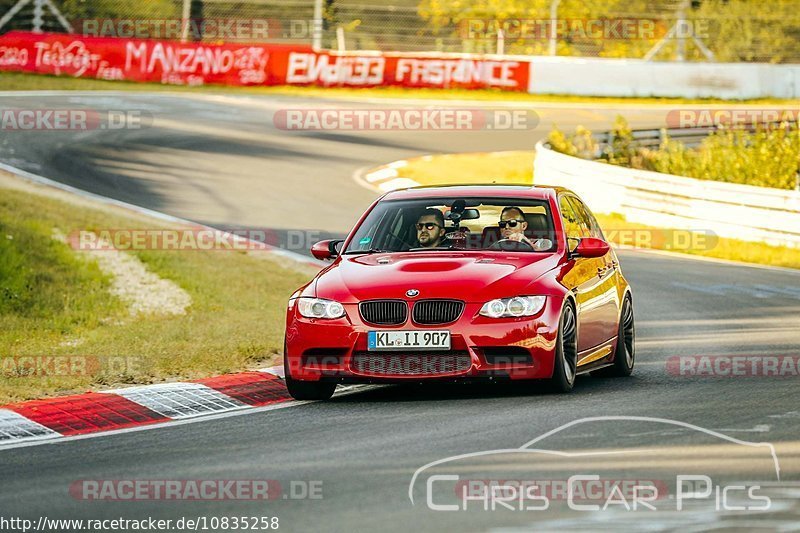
431	312
384	312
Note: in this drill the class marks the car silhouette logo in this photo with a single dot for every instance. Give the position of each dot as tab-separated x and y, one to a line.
412	293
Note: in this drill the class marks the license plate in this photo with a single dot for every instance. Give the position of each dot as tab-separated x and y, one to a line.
408	340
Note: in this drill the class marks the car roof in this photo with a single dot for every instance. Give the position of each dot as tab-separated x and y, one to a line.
535	192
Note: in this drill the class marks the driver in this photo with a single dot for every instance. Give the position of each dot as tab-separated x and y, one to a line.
513	225
430	228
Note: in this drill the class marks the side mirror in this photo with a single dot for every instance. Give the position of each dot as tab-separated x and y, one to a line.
325	250
591	247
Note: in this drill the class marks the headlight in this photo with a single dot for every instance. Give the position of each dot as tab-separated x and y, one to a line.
513	307
319	308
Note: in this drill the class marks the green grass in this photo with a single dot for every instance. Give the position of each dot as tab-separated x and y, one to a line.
55	302
13	81
516	167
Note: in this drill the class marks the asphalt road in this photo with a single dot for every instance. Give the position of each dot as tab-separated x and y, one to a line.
224	163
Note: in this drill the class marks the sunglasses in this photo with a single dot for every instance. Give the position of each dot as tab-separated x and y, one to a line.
510	223
427	225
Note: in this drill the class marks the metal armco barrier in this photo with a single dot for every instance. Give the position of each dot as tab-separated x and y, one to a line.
746	212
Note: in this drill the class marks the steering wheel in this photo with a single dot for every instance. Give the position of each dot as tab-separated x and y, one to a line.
510	245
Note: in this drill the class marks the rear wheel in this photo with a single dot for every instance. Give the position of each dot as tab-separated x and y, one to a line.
625	354
566	357
306	390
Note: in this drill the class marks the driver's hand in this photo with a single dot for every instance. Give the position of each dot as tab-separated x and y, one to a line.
519	237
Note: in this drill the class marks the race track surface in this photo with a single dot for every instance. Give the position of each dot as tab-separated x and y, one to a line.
221	161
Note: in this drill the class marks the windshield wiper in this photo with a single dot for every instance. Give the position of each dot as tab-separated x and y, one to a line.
369	251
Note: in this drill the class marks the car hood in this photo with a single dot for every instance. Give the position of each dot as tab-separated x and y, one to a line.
469	277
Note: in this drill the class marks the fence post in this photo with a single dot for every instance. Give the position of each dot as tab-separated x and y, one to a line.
187	12
340	38
553	26
317	30
38	15
501	42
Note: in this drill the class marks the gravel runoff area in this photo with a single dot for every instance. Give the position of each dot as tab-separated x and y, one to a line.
142	291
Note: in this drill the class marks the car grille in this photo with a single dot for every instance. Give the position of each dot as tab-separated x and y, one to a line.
437	311
384	312
410	364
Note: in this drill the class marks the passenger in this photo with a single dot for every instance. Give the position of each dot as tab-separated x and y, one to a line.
430	228
513	225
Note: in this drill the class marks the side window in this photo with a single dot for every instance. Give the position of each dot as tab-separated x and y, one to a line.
588	222
597	231
571	225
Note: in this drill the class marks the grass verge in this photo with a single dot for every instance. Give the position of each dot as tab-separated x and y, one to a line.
15	81
516	167
54	302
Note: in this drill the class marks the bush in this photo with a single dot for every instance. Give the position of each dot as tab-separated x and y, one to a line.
766	157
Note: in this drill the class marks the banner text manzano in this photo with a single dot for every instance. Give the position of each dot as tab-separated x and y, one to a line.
171	62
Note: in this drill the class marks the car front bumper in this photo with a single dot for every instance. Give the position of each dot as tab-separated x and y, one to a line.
481	348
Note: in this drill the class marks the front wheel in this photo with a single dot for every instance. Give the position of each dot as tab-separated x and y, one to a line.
565	367
306	390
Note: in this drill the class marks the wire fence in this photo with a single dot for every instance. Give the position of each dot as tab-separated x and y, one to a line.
694	30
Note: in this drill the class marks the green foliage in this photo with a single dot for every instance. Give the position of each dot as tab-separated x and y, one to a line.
527	24
621	149
579	144
766	157
747	30
734	30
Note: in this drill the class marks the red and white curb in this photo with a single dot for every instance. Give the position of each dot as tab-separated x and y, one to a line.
96	412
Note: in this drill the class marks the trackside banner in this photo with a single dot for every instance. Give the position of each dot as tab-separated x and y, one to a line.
330	69
144	60
176	63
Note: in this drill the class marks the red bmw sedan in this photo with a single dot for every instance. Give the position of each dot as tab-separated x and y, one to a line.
462	283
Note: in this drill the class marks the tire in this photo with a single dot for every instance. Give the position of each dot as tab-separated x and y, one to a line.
566	356
306	390
625	354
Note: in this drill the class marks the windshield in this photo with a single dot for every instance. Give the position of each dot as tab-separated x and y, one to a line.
506	224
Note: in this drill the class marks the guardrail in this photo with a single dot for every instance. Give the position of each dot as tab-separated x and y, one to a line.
746	212
648	138
691	137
